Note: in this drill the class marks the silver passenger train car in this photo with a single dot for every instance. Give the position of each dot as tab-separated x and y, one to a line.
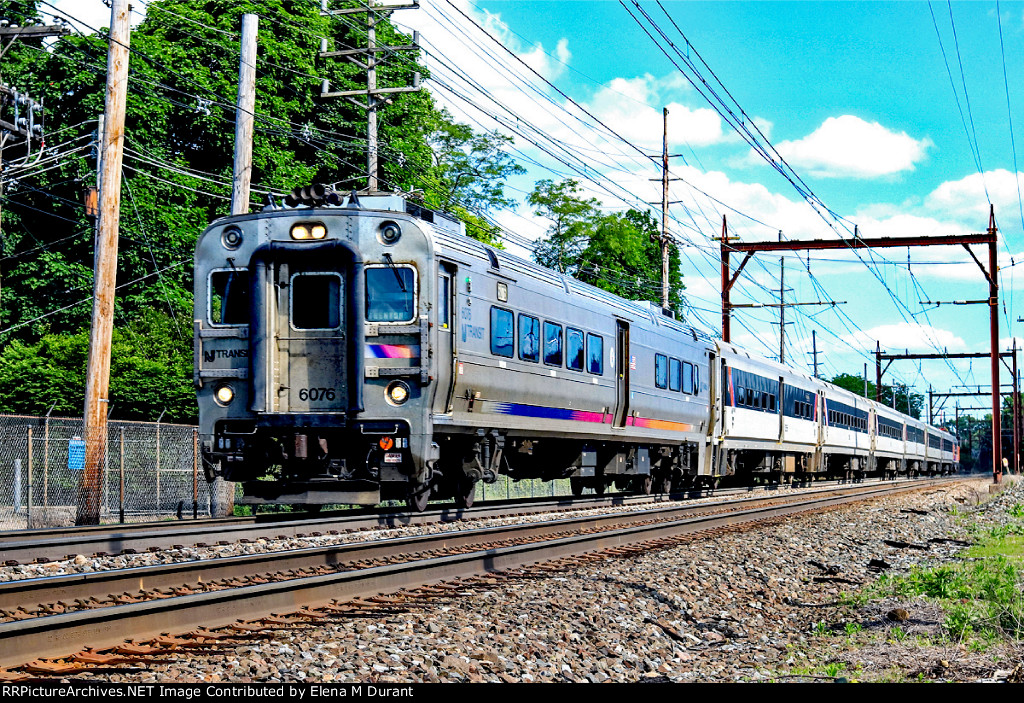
358	349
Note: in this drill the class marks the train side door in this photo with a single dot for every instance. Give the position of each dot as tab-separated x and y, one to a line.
308	359
622	365
445	354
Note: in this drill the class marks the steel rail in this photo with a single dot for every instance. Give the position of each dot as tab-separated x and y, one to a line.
62	635
32	592
53	544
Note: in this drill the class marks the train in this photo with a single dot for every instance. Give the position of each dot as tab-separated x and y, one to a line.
354	349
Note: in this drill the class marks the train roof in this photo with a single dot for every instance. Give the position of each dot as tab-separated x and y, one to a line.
450	233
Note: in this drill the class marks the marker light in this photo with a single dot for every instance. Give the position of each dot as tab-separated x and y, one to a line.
308	230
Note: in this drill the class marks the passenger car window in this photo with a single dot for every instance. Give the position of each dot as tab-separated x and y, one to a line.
674	375
502	332
661	371
574	349
529	338
552	344
595	354
229	297
687	377
316	301
390	294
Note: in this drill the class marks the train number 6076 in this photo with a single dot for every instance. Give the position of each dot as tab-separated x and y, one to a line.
316	394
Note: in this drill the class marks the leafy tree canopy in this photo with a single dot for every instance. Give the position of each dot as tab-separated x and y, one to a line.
618	252
855	384
179	143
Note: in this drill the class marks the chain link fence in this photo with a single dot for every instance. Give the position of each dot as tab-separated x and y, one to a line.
151	472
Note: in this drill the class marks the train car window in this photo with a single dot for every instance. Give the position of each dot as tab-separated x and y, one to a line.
687	377
661	371
390	294
756	401
741	396
503	333
595	354
750	397
696	379
675	373
771	403
316	301
444	298
229	297
552	344
529	338
574	349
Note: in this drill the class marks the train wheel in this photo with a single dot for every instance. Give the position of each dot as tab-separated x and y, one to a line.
418	496
576	485
644	484
465	493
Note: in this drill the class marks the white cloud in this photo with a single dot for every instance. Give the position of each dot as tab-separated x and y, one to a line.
849	147
907	336
967	199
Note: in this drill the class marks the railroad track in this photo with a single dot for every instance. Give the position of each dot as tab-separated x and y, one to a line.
62	616
54	544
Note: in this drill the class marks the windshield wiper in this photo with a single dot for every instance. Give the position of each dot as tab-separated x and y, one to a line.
391	264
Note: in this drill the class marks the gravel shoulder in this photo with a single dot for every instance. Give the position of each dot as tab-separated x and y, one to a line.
769	604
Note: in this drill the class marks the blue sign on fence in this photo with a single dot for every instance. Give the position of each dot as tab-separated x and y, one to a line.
76	454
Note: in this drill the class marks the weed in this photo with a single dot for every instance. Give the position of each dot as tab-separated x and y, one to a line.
833	669
852	628
821	629
897	634
1017	510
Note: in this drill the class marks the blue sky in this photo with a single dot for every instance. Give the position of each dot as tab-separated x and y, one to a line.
856	96
875	105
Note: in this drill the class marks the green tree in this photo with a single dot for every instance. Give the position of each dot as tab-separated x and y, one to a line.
151	371
618	252
911	405
179	134
623	256
468	175
572	223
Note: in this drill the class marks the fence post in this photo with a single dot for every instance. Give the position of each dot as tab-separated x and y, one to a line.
28	505
195	473
17	486
158	466
46	462
121	498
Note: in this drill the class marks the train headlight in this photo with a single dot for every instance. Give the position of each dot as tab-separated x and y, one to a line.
397	392
231	238
224	394
390	232
308	230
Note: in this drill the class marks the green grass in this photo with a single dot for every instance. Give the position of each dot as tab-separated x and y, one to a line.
982	596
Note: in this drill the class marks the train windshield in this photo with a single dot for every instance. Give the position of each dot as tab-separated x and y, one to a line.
229	297
316	301
390	294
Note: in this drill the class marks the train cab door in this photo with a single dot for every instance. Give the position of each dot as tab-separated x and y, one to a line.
308	358
446	354
623	362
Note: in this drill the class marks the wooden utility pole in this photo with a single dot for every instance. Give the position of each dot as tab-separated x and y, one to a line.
245	116
372	93
97	383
